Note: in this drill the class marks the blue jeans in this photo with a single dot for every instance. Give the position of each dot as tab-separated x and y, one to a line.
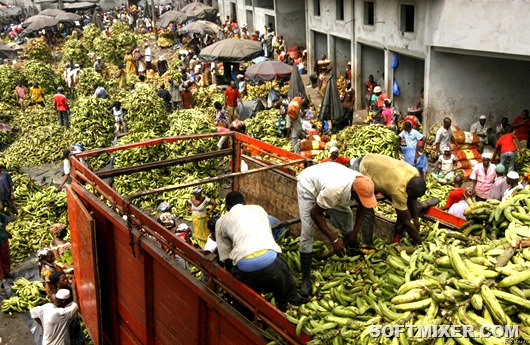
510	157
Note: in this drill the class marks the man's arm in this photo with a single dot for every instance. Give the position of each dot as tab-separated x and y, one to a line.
317	214
412	229
517	143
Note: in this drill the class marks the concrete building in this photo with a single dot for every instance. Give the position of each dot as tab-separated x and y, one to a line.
287	17
467	55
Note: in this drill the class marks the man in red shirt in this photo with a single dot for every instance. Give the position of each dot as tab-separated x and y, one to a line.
231	96
456	195
507	146
521	124
334	157
369	85
61	105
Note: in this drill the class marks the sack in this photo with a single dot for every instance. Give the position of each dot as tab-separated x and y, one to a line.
463	164
466	173
306	145
468	154
471	138
395	89
293	110
395	61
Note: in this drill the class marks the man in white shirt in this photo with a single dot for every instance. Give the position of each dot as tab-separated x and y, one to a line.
55	318
244	236
148	57
458	209
330	188
444	135
513	184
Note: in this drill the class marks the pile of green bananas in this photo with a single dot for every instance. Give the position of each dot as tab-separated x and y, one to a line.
75	50
29	294
112	48
9	79
436	190
165	39
38	49
90	33
430	146
87	78
145	112
39	208
261	126
35	71
355	141
175	64
262	90
522	161
495	218
206	97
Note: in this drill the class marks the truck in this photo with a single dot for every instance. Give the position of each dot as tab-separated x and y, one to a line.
132	290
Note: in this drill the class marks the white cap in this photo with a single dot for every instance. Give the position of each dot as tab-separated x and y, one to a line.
447	148
62	294
513	175
486	155
197	189
333	149
482	117
98	58
182	227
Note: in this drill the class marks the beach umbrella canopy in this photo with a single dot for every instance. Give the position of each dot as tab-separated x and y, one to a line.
200	10
7	53
39	22
232	50
51	12
172	17
68	17
331	107
296	85
268	70
200	27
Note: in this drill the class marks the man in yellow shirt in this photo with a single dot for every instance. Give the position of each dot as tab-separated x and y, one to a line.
37	94
398	181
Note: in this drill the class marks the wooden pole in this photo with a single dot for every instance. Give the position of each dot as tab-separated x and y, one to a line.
153	19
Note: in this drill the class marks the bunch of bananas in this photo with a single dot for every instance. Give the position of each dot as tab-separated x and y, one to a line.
90	33
87	79
49	80
436	190
206	97
355	141
175	64
8	81
261	126
522	161
75	50
39	208
430	146
146	111
37	49
341	84
262	90
28	295
165	38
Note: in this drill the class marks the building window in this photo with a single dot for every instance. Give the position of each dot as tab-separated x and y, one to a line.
248	2
407	18
340	9
369	13
316	7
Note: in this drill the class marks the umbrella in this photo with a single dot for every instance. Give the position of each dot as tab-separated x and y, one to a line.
200	10
51	12
82	5
200	27
97	21
232	50
296	85
7	53
260	59
38	22
172	17
268	70
68	17
331	107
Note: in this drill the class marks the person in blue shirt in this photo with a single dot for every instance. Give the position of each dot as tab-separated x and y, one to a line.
409	136
416	157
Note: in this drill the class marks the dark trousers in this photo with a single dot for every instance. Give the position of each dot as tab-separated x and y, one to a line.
275	278
63	118
5	259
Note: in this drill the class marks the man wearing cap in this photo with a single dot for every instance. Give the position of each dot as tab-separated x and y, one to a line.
399	181
483	176
507	147
244	237
513	184
330	188
55	317
483	131
499	185
334	157
98	65
61	105
444	136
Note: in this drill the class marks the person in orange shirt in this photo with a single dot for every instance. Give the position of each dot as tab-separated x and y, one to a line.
334	157
521	125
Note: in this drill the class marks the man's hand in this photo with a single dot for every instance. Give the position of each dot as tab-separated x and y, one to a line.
338	247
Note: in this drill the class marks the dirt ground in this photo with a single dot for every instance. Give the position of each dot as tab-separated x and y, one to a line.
15	329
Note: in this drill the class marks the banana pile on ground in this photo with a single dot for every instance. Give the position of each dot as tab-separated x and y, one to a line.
39	208
112	48
261	126
175	65
29	294
430	146
145	111
497	219
8	81
38	49
450	279
206	97
355	141
522	161
436	190
87	78
90	33
262	90
74	50
35	71
165	38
